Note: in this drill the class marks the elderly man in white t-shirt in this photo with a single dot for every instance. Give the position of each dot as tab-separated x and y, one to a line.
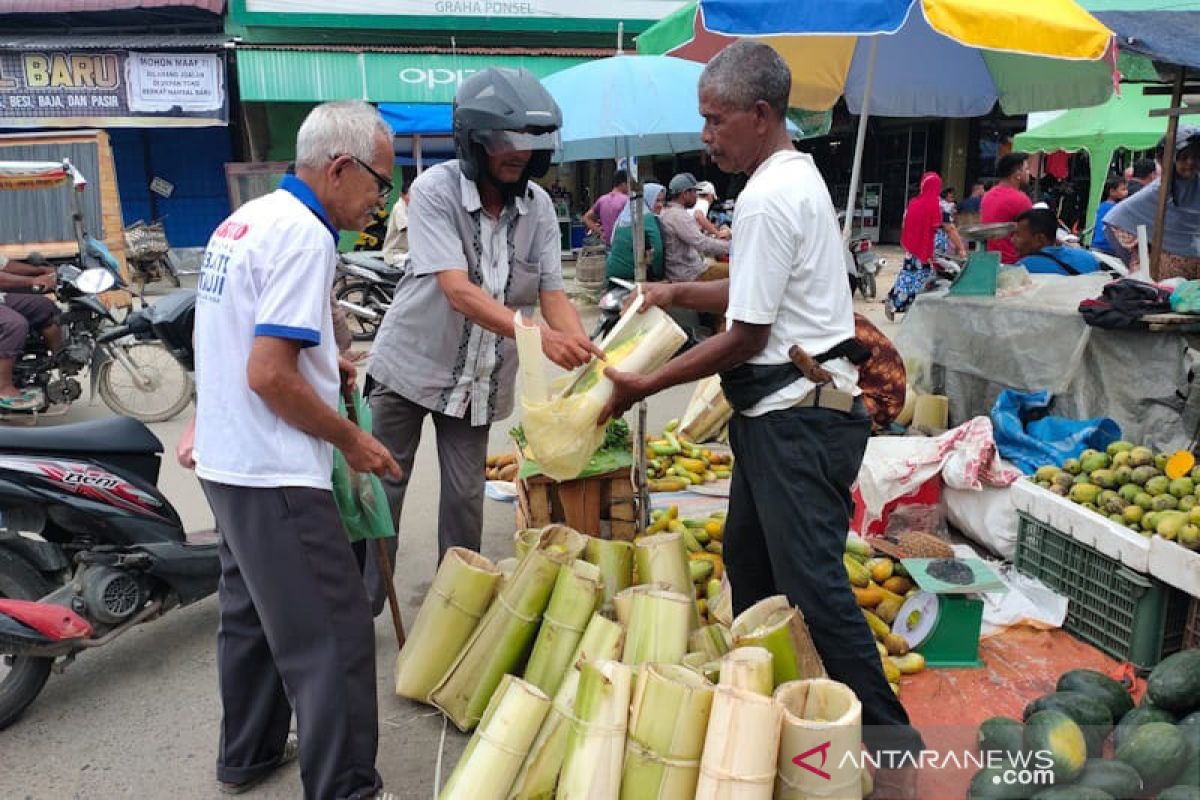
296	630
798	434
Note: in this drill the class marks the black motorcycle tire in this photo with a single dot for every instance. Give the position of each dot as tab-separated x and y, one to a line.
362	294
867	286
27	676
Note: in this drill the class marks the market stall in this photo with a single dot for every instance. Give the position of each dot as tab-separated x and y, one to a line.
970	348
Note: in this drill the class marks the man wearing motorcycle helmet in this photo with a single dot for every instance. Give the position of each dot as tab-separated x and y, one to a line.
483	242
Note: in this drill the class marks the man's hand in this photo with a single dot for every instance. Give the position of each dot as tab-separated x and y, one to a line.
568	350
46	283
355	356
367	454
657	294
348	372
628	388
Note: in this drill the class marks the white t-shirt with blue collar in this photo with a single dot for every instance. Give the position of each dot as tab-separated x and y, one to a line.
267	271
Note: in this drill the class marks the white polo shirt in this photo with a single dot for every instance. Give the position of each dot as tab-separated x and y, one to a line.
786	270
267	271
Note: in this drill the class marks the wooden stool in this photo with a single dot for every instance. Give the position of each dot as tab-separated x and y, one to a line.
601	505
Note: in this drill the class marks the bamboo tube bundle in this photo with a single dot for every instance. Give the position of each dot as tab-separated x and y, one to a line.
502	640
602	641
623	600
496	750
658	628
461	592
749	668
577	593
667	726
525	540
816	712
596	750
774	624
615	560
712	640
740	748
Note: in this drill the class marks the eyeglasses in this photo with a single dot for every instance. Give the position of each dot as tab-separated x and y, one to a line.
384	185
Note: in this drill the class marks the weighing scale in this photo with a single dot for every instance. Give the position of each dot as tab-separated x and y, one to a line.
943	620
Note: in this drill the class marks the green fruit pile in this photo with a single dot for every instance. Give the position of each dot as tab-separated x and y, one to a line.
1126	484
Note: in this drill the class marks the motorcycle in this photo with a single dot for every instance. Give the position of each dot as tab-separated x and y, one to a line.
89	546
867	264
140	381
365	287
149	255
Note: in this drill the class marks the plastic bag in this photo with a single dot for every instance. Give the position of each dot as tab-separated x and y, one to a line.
1049	440
1186	298
360	499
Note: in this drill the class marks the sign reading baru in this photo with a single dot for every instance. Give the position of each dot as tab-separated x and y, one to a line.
72	89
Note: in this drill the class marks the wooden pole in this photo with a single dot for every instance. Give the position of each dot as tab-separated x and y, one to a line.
1168	177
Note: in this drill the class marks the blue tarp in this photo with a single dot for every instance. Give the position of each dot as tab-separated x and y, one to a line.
1049	440
408	119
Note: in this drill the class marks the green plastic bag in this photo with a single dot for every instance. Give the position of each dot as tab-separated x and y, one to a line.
1186	298
359	495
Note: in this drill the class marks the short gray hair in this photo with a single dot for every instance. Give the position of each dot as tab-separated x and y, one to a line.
344	127
746	72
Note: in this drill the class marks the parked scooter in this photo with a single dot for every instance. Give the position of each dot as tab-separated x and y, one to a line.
89	547
365	287
867	264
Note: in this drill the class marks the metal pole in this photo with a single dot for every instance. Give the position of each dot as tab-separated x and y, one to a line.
1168	177
417	153
860	142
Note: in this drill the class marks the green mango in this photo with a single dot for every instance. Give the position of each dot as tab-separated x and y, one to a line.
1123	473
1129	492
1104	478
1158	485
1046	473
1182	486
1170	524
1119	447
1144	500
1132	515
1165	502
1093	461
1143	474
1085	493
1141	456
1072	466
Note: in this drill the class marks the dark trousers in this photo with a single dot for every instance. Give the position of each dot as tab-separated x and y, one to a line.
462	458
296	633
789	513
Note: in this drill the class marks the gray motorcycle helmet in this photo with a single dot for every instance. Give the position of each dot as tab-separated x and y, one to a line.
498	100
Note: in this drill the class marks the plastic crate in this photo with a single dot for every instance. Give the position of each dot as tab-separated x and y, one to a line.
1191	635
1126	614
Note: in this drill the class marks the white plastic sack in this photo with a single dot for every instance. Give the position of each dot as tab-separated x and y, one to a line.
986	517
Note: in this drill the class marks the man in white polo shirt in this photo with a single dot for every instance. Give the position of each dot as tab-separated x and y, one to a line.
296	630
799	432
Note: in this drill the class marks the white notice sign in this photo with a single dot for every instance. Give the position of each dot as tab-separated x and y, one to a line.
159	82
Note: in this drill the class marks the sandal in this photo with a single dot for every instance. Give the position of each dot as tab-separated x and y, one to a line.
291	749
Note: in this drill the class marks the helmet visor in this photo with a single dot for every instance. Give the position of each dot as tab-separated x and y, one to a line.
500	142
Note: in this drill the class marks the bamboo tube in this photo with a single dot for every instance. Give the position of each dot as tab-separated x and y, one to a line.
507	567
774	624
525	540
667	725
749	668
596	750
461	592
577	593
740	748
662	558
501	641
816	712
496	750
712	640
658	628
623	600
615	560
601	641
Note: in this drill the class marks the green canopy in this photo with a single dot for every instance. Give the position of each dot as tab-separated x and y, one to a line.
1123	123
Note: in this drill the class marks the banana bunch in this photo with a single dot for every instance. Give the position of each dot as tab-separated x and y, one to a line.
673	463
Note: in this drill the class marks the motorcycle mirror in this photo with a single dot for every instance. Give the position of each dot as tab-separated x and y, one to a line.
95	280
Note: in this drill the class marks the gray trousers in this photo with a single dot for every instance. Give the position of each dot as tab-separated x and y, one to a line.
296	634
462	458
789	513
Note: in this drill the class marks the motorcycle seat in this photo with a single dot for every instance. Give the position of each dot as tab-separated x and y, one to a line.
102	436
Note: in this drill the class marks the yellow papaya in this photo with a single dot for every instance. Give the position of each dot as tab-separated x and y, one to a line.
868	597
898	585
695	465
895	644
887	611
878	627
880	569
856	572
909	664
891	671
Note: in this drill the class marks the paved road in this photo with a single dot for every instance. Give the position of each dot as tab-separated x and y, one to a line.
139	718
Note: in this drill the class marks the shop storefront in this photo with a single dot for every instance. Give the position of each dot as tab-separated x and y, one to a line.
166	110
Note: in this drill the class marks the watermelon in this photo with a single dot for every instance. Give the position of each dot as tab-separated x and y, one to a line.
1054	732
1115	777
988	784
1158	751
1100	686
1180	793
1175	683
1190	727
1092	715
1138	717
1001	735
1072	792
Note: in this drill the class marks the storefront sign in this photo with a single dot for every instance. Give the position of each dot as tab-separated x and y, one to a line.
111	89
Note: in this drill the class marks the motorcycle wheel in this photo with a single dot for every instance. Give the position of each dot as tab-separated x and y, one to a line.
361	294
22	678
868	286
169	392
